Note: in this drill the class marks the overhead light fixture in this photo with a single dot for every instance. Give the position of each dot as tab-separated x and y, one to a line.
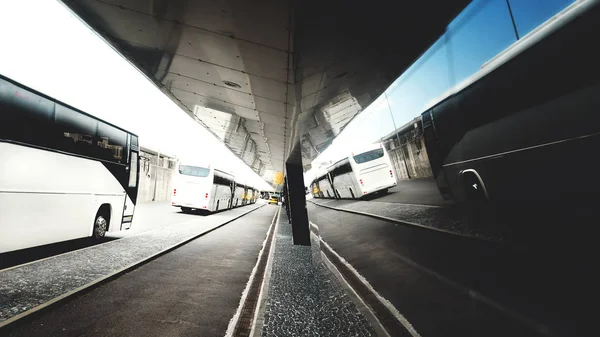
232	84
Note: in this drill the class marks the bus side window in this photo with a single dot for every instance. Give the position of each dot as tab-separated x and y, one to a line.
24	116
81	130
134	141
111	142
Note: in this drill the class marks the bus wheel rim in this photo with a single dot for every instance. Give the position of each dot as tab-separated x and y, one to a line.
100	227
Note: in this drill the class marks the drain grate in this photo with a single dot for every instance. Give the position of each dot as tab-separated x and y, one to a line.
244	323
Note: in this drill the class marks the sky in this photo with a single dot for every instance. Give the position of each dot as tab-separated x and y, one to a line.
50	50
475	36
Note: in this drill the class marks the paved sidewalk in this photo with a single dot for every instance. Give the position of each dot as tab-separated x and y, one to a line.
304	297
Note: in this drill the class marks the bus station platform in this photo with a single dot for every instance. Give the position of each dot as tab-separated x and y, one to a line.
238	276
306	297
43	285
238	273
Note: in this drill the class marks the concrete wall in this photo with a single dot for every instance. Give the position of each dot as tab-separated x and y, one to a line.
409	159
416	161
155	174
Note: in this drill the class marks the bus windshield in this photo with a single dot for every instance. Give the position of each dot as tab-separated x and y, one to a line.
194	171
368	156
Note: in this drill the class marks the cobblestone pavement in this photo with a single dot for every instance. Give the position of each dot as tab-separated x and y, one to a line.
445	218
305	298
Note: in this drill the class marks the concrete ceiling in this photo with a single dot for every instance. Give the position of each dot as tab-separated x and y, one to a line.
275	80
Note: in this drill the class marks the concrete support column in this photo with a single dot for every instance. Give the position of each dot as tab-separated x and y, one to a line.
296	200
286	198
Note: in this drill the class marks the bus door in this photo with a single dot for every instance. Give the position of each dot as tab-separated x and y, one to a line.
132	185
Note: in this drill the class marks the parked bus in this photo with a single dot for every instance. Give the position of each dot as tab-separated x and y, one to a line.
251	195
525	128
202	188
244	194
64	174
256	195
366	171
239	198
248	192
321	186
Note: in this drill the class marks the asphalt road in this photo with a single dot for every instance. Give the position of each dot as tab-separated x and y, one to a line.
423	191
148	216
546	281
191	291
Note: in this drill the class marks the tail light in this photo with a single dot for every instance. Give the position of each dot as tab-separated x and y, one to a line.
361	182
206	196
174	191
391	173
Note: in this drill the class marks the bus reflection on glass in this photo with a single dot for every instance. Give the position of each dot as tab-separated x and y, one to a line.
366	171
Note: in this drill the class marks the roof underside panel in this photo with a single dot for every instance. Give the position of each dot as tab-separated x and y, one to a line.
265	77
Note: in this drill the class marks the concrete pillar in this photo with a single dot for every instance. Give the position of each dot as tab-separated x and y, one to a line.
286	199
296	200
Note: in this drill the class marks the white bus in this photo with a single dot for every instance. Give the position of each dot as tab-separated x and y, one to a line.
251	196
202	188
239	196
244	194
366	171
321	186
63	173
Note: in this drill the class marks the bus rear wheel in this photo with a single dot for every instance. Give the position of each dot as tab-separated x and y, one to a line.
186	209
